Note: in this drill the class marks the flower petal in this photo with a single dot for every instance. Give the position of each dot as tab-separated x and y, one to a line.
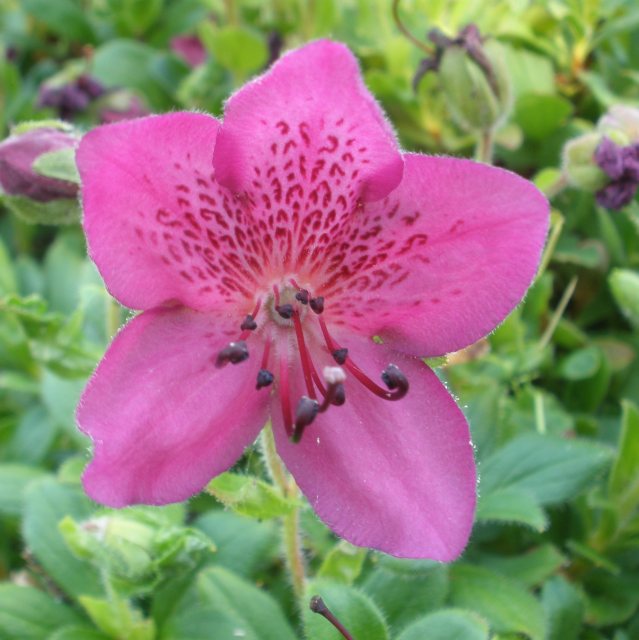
306	142
159	228
163	419
441	261
395	476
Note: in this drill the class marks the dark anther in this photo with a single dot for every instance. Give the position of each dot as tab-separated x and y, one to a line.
337	395
264	378
249	323
303	296
285	310
317	605
317	304
304	414
394	379
234	353
340	355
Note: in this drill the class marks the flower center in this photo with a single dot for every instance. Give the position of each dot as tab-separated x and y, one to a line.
293	307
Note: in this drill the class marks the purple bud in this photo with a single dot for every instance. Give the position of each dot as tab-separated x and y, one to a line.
190	49
17	155
609	157
90	86
630	156
617	194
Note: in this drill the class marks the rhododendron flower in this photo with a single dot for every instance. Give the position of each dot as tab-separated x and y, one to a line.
277	243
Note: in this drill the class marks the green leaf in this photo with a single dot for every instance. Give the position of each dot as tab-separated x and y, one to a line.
8	281
131	64
250	496
356	611
581	364
343	563
406	589
511	505
238	49
564	609
55	212
243	545
14	479
447	624
540	114
205	623
506	605
257	613
29	614
64	17
77	632
530	568
623	483
47	502
624	285
58	164
118	618
550	469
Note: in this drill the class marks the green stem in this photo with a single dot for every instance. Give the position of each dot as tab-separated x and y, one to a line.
290	523
559	312
113	319
556	225
485	145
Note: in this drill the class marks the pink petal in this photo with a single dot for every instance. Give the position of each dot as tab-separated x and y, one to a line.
158	226
306	142
163	419
397	476
441	261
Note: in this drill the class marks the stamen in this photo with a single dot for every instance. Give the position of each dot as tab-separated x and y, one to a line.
392	373
234	353
305	413
317	605
317	304
340	355
394	379
276	293
336	393
285	310
285	399
303	296
301	345
249	323
264	378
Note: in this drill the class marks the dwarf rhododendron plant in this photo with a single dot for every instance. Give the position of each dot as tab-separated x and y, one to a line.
265	252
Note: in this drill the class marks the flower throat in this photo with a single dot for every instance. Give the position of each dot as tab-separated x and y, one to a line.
292	307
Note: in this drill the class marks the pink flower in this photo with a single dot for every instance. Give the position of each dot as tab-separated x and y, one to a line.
293	232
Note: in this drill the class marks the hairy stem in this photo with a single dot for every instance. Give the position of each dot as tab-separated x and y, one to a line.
290	523
485	145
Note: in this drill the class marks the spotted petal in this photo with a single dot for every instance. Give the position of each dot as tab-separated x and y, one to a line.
159	227
306	142
441	261
163	419
395	476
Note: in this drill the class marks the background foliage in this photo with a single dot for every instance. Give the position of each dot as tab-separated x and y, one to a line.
551	395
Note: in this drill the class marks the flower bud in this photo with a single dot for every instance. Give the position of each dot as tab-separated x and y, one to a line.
578	163
620	124
135	548
475	81
21	151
